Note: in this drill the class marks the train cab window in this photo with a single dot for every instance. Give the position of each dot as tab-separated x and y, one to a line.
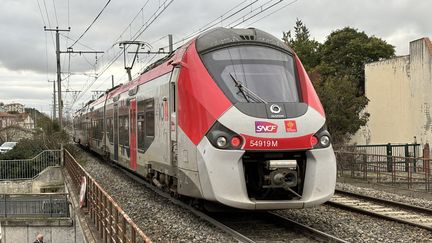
253	74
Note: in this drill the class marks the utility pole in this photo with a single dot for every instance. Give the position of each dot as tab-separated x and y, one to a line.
112	81
54	99
60	102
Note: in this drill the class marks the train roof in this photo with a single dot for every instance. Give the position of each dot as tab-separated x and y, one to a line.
218	37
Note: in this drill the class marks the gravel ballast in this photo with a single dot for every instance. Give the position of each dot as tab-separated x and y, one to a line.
158	217
355	227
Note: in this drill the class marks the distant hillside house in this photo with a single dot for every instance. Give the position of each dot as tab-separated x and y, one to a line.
23	120
7	119
14	107
400	94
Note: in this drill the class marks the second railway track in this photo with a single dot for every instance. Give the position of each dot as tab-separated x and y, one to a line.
390	210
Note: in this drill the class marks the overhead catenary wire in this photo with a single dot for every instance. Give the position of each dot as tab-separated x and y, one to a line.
91	24
259	10
277	10
41	14
80	43
128	26
119	53
46	11
238	8
43	19
55	12
212	23
162	7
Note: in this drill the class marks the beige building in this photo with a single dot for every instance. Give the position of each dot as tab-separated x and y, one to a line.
400	98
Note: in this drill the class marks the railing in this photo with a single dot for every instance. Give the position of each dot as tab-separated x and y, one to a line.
28	168
25	206
389	150
112	223
403	172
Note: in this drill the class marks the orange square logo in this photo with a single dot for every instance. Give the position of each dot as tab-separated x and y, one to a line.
290	126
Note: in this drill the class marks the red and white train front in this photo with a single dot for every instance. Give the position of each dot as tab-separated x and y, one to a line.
251	129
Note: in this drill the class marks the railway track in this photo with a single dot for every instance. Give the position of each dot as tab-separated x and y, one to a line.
270	227
246	226
390	210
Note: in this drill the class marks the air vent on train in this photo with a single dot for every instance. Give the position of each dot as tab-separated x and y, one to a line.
247	37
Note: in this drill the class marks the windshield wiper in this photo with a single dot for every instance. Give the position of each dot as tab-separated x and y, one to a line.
249	93
240	87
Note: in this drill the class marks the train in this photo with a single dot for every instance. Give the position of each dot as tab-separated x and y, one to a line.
231	117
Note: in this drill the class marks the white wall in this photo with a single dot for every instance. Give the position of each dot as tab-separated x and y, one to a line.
400	94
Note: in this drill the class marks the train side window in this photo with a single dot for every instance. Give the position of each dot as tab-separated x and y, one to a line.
124	130
149	117
146	127
141	130
109	130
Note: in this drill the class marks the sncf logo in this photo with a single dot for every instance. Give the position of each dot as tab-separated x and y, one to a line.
265	127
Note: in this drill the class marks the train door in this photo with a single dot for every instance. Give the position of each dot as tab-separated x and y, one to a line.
133	134
116	131
173	116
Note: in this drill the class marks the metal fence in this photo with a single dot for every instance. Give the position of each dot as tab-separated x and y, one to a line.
389	151
29	168
48	205
403	172
112	223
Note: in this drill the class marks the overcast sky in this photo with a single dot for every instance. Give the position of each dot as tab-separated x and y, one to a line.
27	56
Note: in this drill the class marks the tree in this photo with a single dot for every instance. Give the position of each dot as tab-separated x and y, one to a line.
346	51
336	69
343	107
305	48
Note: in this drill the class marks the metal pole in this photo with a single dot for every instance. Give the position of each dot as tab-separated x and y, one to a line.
54	99
61	154
170	43
60	102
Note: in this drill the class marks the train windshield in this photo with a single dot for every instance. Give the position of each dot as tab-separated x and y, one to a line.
253	74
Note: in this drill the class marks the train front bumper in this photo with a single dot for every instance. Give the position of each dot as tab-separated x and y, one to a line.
222	179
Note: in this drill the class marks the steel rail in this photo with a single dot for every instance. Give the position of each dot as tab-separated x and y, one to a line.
377	207
306	230
236	235
265	226
314	232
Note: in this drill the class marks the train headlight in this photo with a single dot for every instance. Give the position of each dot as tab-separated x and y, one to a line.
221	142
223	138
321	139
324	141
